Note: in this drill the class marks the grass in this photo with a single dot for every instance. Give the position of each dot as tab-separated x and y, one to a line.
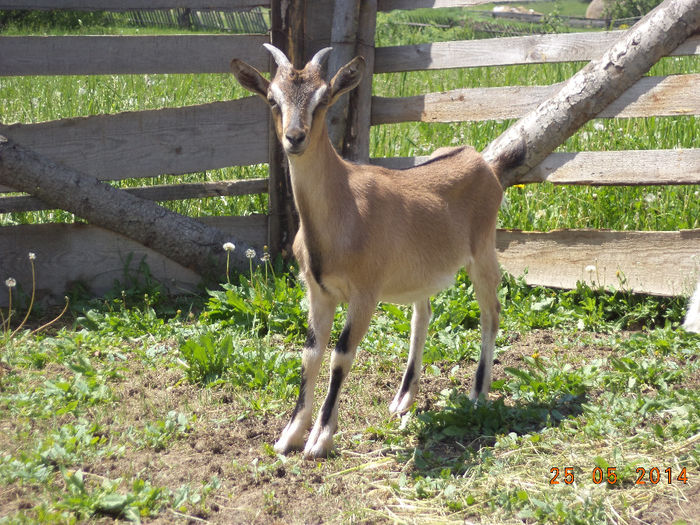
137	407
138	411
662	208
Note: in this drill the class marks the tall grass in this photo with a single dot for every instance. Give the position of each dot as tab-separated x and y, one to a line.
540	207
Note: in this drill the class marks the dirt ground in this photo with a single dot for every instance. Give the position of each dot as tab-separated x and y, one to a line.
256	488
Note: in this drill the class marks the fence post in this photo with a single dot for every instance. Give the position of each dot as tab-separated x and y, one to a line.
287	34
344	25
356	140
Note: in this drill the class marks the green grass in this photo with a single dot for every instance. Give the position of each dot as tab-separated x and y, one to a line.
540	207
587	394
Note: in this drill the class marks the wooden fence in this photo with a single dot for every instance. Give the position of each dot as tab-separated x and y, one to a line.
232	133
132	145
664	263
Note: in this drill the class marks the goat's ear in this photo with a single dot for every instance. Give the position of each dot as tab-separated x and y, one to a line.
347	78
250	78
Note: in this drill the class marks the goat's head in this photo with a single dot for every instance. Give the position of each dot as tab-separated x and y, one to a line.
297	98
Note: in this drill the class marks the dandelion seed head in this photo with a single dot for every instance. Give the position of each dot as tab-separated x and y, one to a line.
10	282
229	246
250	253
32	256
590	268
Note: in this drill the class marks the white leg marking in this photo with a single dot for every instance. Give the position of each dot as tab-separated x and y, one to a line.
406	394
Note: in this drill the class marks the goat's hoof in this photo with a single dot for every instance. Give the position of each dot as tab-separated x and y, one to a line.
285	445
319	445
402	403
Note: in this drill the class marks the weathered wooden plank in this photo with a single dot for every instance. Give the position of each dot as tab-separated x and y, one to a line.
601	168
390	5
673	95
101	55
68	254
534	49
154	142
619	168
657	263
162	192
124	5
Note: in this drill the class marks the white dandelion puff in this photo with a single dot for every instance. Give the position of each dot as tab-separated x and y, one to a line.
250	253
10	282
229	246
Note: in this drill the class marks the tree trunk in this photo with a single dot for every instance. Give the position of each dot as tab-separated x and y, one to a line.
182	239
594	87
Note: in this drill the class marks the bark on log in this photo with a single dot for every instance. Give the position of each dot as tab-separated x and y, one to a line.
182	239
594	87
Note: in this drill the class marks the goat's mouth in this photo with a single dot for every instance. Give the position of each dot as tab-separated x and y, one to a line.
294	149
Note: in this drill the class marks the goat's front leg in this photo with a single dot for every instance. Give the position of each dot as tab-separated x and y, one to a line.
320	440
409	385
321	314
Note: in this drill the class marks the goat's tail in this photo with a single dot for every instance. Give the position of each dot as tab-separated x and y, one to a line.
509	158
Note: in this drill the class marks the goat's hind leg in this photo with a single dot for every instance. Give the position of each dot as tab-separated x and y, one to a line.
409	385
486	276
321	314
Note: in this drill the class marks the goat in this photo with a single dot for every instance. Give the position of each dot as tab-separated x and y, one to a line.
692	316
369	234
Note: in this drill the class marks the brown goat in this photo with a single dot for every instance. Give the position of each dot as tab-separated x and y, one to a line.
370	234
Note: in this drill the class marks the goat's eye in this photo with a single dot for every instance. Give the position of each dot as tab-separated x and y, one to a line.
272	101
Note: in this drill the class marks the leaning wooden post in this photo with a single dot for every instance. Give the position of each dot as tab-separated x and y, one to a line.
590	90
182	239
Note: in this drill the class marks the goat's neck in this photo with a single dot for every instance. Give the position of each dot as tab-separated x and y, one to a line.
319	181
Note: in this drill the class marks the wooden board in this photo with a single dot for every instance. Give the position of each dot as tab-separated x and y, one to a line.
161	192
124	5
673	95
601	168
390	5
68	254
657	263
619	168
101	55
534	49
149	143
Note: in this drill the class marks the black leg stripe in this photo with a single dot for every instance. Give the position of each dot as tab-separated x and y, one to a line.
302	394
342	346
310	338
408	378
479	381
329	403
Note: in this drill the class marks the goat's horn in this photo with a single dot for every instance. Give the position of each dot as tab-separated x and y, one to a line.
321	57
279	57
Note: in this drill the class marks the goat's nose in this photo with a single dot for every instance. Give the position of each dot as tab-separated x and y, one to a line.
295	136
